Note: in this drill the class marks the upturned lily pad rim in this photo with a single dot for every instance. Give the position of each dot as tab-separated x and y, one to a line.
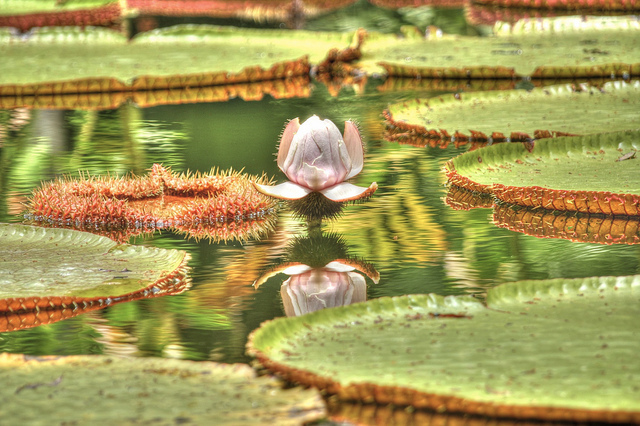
462	306
403	125
554	198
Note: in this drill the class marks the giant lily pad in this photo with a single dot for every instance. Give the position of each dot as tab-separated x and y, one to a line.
51	274
582	5
524	49
71	60
218	206
102	389
554	350
278	89
269	10
590	174
516	115
26	14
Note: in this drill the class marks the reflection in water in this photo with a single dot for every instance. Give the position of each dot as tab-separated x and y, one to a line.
311	289
570	226
321	274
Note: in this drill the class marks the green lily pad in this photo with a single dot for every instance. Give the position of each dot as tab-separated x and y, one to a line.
590	174
17	7
71	60
589	47
517	114
554	350
109	390
27	14
44	263
572	5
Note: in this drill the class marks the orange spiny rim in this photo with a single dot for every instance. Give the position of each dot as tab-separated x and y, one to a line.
161	200
583	5
484	73
464	182
25	312
402	396
574	201
459	198
573	227
286	69
603	202
251	9
413	134
106	15
294	87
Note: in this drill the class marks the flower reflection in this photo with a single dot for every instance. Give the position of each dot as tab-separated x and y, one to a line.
311	289
321	275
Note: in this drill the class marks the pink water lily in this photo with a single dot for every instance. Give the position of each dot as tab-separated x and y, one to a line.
317	158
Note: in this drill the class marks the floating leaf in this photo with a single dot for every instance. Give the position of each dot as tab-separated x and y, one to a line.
295	87
257	10
100	60
219	206
530	50
553	350
51	274
583	5
515	115
568	226
580	174
103	389
26	14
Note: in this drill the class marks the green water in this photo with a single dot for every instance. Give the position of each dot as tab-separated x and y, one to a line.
406	232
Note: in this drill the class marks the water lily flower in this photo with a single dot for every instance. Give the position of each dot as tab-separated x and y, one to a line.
317	158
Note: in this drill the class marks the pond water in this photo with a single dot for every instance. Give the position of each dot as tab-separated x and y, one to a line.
406	232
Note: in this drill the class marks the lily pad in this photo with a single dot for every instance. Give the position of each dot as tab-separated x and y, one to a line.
218	206
295	87
516	115
103	389
62	263
26	14
553	350
530	50
256	10
71	60
588	174
583	5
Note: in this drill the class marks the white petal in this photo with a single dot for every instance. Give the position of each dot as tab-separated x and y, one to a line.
336	266
284	191
285	141
347	192
296	269
353	141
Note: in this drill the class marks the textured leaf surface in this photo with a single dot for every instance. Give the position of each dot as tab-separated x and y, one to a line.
581	173
556	349
40	262
527	49
101	389
14	7
518	114
98	59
